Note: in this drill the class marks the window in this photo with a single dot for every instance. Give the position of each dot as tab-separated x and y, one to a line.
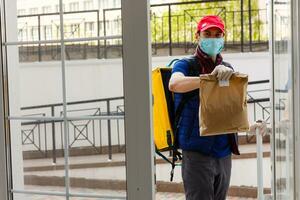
105	4
112	3
22	34
101	25
107	25
47	32
36	71
116	4
57	8
119	25
74	6
89	27
74	30
34	33
33	11
88	5
46	9
21	12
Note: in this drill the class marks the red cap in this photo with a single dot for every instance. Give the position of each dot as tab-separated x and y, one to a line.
209	22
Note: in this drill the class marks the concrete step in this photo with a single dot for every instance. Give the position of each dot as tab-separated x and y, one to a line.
97	172
96	161
243	174
119	185
88	151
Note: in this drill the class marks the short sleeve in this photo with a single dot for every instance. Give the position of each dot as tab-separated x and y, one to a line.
181	66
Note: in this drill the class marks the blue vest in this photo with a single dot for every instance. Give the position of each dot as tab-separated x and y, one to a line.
188	126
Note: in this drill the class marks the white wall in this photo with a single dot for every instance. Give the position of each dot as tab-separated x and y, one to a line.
40	83
256	65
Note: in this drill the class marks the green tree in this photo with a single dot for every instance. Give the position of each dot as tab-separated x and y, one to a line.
184	20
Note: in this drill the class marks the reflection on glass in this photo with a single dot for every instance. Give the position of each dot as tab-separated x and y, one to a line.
35	89
36	20
96	145
283	101
76	146
37	154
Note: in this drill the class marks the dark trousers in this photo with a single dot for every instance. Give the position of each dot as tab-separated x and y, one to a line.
205	177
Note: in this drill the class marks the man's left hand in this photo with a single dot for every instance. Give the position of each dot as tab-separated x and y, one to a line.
222	72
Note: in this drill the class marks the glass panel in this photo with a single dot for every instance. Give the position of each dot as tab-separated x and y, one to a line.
81	24
29	53
283	101
36	20
95	89
97	146
35	89
84	50
178	37
37	155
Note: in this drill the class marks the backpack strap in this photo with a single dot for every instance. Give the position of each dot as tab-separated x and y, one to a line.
172	61
193	71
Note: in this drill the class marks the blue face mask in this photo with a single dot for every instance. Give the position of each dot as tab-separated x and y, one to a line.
211	46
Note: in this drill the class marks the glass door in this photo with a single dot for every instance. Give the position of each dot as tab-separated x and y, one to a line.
64	100
283	110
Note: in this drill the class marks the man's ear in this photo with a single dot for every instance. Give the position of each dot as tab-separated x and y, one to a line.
197	36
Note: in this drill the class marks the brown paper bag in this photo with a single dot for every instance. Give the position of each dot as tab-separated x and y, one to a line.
223	109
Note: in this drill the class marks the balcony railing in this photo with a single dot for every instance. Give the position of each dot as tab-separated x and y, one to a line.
173	27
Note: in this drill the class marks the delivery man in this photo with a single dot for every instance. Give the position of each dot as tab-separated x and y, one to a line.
206	163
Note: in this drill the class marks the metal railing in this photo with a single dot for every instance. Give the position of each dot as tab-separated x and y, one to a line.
86	136
86	133
261	107
173	27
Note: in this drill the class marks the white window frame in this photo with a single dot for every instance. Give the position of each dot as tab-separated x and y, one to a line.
295	7
295	57
4	151
138	99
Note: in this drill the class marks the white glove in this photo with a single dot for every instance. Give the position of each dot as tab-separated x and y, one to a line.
222	72
262	127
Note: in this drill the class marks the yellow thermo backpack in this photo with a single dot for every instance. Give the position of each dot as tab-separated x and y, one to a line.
165	118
